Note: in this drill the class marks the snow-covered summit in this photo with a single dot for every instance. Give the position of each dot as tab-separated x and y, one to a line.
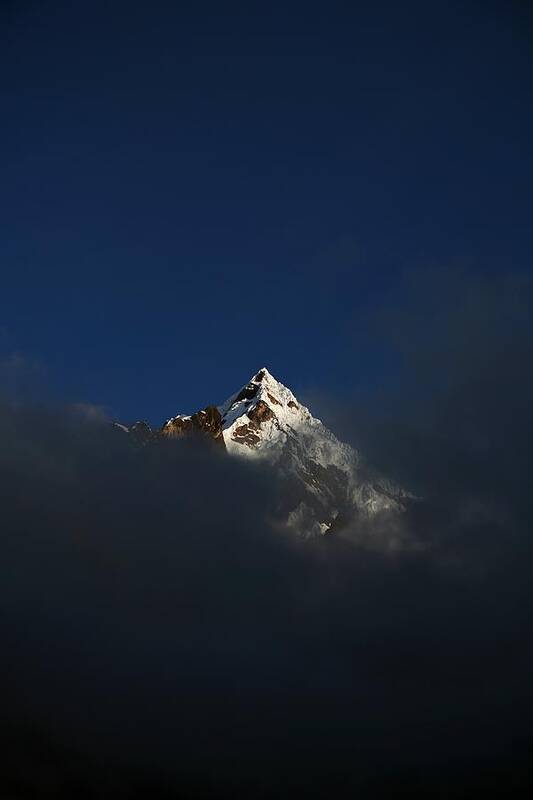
258	417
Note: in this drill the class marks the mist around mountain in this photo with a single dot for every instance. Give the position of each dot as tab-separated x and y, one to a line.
163	636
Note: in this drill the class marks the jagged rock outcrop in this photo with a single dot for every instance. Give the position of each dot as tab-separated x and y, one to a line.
207	422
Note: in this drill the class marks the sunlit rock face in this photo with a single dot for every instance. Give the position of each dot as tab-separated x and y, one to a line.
207	422
324	483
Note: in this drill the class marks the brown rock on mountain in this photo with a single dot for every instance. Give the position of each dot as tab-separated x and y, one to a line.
260	413
207	422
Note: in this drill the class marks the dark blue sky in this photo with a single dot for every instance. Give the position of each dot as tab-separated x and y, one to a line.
191	191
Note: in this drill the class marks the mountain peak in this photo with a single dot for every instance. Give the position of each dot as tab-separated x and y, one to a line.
262	390
326	482
263	375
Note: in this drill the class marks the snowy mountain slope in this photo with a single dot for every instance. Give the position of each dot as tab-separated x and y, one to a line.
265	420
325	482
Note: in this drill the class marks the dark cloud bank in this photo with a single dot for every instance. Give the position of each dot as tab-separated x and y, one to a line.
161	637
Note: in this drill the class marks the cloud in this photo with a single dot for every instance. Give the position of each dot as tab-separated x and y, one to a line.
161	634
